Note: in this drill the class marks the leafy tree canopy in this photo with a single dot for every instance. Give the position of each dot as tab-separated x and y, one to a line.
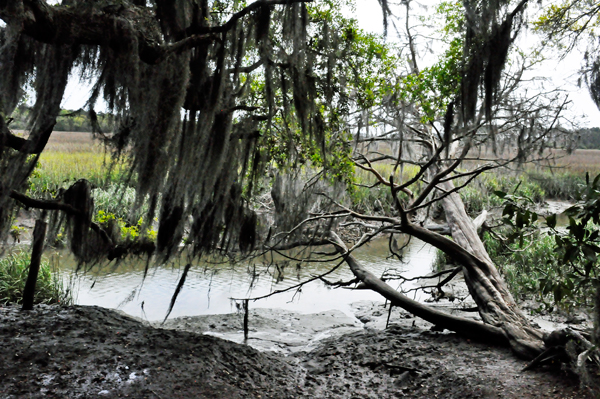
203	96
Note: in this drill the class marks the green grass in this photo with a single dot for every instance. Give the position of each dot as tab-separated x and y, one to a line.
479	194
61	169
564	186
13	275
365	199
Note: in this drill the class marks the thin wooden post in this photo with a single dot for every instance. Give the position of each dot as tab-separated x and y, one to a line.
245	320
387	323
39	236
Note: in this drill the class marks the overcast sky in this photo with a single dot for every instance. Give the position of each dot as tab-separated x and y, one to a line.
563	73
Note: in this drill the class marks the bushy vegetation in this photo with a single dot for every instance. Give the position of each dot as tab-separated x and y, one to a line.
13	275
556	265
67	121
534	271
479	195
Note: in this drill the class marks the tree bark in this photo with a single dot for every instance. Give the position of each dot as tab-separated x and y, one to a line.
496	304
39	236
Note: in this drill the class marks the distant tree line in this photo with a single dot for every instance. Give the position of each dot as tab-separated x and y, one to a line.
67	120
79	121
589	139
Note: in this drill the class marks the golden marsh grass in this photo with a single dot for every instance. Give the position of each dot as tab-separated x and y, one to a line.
70	156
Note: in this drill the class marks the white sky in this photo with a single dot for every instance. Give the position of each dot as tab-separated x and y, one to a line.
562	73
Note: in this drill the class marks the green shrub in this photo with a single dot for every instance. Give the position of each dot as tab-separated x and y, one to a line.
479	194
13	275
128	232
535	271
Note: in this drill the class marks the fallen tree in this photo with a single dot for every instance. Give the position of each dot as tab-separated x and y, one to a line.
480	117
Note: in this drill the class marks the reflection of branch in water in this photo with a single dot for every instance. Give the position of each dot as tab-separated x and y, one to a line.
395	250
339	283
388	275
254	275
129	297
296	286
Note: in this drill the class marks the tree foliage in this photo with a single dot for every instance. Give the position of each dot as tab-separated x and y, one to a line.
571	23
203	94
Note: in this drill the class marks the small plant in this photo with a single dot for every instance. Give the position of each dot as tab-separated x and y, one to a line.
16	232
127	231
13	275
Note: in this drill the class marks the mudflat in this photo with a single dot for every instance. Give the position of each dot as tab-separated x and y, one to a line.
91	352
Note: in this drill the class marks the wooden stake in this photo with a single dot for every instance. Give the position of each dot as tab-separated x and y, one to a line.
39	236
245	320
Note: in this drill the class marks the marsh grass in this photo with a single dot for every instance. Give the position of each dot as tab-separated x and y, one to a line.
13	275
577	163
378	198
69	157
479	194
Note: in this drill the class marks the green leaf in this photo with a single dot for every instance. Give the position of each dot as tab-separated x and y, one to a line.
551	221
500	194
589	253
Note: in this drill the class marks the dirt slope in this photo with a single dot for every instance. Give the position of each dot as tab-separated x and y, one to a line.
90	352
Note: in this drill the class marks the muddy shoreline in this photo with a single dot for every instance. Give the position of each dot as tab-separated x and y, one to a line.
90	352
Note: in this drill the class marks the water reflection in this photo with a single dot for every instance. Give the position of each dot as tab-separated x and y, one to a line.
209	287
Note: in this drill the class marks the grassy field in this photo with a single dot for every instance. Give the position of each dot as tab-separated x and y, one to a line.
70	156
578	162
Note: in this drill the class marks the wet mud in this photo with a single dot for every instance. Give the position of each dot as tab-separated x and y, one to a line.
92	352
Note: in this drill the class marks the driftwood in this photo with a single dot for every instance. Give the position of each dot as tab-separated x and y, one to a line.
444	229
502	319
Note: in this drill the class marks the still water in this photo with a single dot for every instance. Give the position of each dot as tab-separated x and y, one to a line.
209	287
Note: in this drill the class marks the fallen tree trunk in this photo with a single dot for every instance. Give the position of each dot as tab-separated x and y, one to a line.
496	304
462	325
444	229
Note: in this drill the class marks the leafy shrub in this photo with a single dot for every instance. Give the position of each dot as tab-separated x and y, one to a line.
127	231
13	275
559	266
479	195
535	271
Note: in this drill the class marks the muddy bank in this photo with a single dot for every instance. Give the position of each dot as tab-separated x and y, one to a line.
81	352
